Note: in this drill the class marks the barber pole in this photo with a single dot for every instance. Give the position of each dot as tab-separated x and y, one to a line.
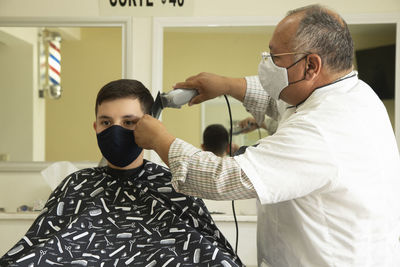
54	63
50	64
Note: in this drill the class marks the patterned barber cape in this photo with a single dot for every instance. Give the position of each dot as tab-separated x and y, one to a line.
106	217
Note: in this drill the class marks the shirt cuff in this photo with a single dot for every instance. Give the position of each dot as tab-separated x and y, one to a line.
252	84
178	155
255	100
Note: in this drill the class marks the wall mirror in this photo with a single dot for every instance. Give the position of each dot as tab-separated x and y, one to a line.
93	52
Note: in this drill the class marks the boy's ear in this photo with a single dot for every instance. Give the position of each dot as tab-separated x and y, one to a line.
202	147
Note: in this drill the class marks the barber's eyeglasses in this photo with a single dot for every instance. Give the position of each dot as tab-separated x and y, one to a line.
266	55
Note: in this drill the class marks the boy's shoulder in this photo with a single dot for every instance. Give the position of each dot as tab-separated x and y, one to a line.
154	170
161	182
76	178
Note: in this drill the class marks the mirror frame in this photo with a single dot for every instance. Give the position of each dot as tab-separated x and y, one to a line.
124	22
36	22
159	25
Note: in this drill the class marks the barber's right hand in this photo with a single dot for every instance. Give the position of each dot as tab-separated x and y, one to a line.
249	124
211	85
150	133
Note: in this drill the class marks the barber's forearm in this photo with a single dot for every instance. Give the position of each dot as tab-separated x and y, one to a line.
205	175
237	88
162	146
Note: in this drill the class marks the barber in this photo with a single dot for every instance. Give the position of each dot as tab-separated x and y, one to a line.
327	182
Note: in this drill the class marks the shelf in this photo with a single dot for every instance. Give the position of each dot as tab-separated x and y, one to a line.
18	215
38	166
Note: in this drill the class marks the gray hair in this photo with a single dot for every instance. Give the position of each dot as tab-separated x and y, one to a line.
325	33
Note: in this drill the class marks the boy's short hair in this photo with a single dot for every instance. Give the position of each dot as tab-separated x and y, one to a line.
125	88
215	139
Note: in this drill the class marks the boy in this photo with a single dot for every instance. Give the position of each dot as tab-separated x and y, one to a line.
216	140
125	213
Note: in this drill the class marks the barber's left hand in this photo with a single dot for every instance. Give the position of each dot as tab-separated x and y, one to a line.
150	133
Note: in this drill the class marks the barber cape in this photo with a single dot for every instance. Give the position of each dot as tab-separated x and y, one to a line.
106	217
328	182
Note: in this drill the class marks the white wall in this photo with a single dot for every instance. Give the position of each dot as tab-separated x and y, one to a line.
18	71
17	78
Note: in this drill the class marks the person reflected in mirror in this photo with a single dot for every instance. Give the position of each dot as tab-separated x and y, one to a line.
249	124
216	140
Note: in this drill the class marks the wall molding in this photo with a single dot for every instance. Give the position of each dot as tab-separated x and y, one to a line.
38	166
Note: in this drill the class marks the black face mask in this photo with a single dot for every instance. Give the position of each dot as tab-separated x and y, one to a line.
118	145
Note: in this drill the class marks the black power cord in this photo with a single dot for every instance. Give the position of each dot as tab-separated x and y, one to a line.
230	154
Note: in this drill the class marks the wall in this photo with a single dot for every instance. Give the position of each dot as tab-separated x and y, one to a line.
201	7
86	65
16	76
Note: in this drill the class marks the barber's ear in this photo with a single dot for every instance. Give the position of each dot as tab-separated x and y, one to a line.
95	126
313	67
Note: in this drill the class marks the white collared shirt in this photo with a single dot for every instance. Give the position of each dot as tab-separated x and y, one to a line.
328	180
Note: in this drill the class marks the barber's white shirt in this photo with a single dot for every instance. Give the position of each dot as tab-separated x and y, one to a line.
328	180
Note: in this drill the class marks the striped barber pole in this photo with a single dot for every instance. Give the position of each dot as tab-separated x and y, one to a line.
42	66
50	67
54	63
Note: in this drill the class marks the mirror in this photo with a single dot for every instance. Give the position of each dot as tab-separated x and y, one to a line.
235	51
47	129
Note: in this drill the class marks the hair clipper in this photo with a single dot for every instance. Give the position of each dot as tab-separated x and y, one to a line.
172	99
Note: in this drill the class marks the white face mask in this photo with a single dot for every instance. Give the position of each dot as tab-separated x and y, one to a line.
273	78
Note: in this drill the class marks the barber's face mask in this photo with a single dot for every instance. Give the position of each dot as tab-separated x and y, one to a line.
118	145
273	78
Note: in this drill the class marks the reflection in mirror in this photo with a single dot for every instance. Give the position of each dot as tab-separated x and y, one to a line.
231	51
235	51
46	129
375	60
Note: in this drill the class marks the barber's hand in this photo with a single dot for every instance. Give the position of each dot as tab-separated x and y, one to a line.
211	85
150	133
249	124
235	147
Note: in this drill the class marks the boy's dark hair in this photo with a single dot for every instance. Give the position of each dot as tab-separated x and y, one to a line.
215	139
125	88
